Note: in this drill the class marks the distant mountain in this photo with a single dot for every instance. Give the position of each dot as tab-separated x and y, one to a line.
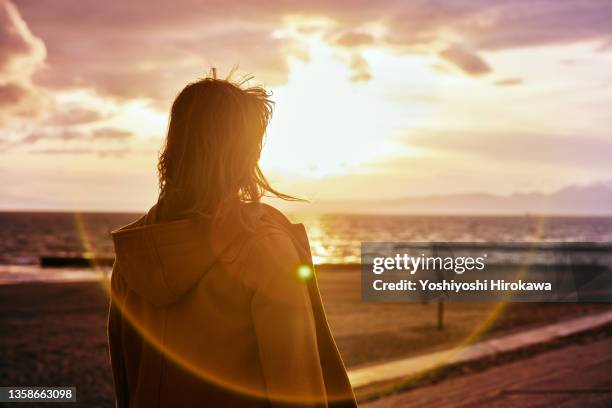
595	199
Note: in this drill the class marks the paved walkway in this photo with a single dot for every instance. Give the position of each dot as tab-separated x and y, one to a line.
408	367
574	376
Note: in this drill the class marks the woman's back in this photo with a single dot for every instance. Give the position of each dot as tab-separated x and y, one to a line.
222	317
207	307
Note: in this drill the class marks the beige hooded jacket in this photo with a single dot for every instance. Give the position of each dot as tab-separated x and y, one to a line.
207	315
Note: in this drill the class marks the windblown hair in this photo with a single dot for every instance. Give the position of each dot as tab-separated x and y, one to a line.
209	163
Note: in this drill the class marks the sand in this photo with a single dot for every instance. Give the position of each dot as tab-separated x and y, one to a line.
55	333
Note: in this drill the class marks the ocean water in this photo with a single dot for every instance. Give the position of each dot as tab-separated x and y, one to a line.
334	238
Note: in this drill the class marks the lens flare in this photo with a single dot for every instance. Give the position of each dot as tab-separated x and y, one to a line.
304	272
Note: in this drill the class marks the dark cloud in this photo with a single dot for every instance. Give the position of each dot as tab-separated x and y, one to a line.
157	68
12	94
466	60
509	82
19	100
138	50
151	49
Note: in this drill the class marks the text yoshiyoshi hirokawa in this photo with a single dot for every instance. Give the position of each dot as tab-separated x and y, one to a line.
454	286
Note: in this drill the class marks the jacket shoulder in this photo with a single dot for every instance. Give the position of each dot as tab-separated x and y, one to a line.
272	234
270	248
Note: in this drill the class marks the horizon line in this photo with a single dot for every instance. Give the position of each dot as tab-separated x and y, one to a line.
333	212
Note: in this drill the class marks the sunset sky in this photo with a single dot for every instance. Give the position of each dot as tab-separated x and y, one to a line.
373	99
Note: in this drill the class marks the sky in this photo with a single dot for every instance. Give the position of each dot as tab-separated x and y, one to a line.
374	100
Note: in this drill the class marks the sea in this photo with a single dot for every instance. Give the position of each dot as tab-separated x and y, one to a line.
26	237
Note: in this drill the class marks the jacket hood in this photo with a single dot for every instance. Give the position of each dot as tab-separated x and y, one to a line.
163	261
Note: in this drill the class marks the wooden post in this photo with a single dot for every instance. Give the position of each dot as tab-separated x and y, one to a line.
440	277
440	314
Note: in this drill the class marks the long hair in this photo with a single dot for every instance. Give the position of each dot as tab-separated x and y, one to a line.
209	162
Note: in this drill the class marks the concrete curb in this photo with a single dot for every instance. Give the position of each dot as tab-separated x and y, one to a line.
408	367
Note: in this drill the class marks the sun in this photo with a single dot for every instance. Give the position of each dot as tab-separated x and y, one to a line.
327	124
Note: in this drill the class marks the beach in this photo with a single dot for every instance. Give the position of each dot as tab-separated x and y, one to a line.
55	333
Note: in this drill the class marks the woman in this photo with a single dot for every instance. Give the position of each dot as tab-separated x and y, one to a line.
214	299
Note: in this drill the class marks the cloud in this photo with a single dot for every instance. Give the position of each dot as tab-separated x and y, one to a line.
139	50
111	134
103	142
515	148
12	94
360	69
466	60
75	116
528	24
116	152
19	100
509	82
55	134
491	25
354	39
21	55
21	52
150	50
